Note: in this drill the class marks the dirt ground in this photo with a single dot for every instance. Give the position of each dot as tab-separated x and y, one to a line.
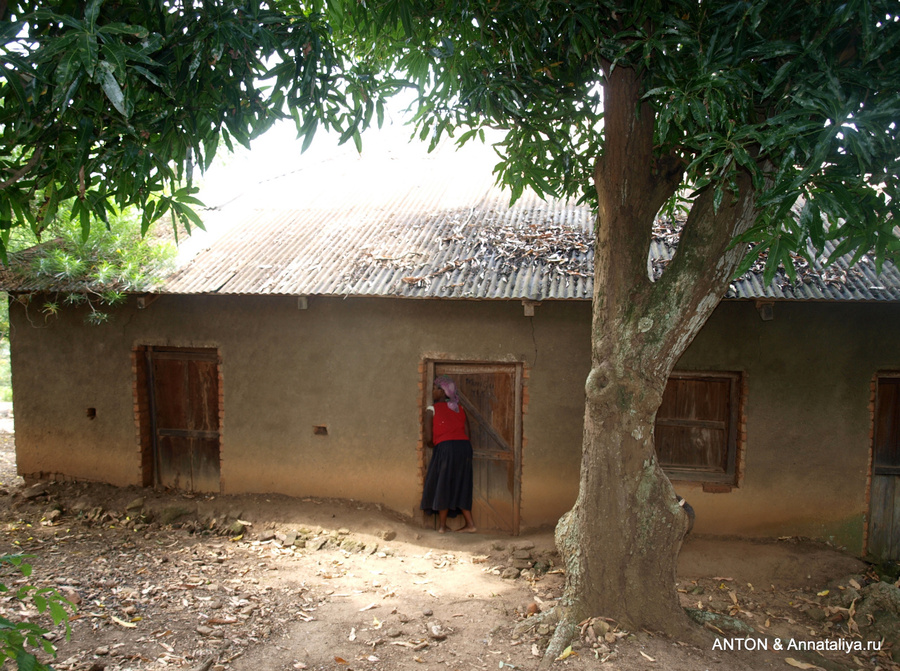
250	583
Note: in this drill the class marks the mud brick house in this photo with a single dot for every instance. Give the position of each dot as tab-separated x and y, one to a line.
293	349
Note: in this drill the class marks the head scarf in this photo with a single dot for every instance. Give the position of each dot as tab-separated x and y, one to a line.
449	387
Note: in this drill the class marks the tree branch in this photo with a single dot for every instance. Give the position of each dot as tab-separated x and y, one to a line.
24	170
704	263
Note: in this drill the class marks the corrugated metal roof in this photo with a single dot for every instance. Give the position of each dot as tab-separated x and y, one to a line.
411	248
838	282
533	250
435	226
815	282
427	227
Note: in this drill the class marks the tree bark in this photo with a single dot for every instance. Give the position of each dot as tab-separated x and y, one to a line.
621	540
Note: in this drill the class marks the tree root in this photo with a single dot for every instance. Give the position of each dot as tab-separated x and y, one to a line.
549	617
566	631
720	623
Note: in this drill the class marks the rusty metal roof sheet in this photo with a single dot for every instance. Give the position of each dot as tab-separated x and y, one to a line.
429	227
437	227
535	250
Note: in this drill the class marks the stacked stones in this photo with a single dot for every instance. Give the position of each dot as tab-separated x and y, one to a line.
521	560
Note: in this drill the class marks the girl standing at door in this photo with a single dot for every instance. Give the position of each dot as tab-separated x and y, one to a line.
448	483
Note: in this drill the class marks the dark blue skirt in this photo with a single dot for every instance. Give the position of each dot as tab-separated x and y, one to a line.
448	483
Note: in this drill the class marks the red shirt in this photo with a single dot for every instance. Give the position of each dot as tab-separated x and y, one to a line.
448	425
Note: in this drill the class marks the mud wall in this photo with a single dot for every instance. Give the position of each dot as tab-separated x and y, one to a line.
354	366
808	380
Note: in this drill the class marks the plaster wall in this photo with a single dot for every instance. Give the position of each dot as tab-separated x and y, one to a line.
808	374
351	365
354	366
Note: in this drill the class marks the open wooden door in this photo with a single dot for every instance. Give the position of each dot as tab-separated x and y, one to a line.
884	504
183	396
492	397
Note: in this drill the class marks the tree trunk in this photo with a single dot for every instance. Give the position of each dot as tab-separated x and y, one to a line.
621	540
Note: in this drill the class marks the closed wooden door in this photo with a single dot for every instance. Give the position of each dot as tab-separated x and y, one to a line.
184	407
491	395
884	504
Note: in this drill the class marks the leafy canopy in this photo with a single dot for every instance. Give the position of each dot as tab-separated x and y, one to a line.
113	102
803	95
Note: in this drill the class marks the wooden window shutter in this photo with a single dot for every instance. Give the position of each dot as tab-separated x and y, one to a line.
696	426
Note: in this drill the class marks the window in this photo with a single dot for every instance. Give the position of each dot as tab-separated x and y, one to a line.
697	427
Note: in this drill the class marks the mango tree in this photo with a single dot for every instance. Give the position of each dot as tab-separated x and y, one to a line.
771	124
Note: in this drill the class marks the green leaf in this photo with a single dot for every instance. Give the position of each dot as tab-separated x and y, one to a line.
150	77
58	613
12	79
85	217
309	133
699	113
87	51
749	259
105	76
139	32
187	212
25	661
40	602
68	94
116	55
46	15
379	110
91	12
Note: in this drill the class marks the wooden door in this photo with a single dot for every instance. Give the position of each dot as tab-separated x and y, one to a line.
492	397
884	504
184	418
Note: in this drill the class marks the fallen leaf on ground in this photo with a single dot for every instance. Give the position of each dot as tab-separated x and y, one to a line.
801	665
122	623
568	652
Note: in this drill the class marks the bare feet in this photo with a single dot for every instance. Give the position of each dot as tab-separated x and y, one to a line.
467	530
442	530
